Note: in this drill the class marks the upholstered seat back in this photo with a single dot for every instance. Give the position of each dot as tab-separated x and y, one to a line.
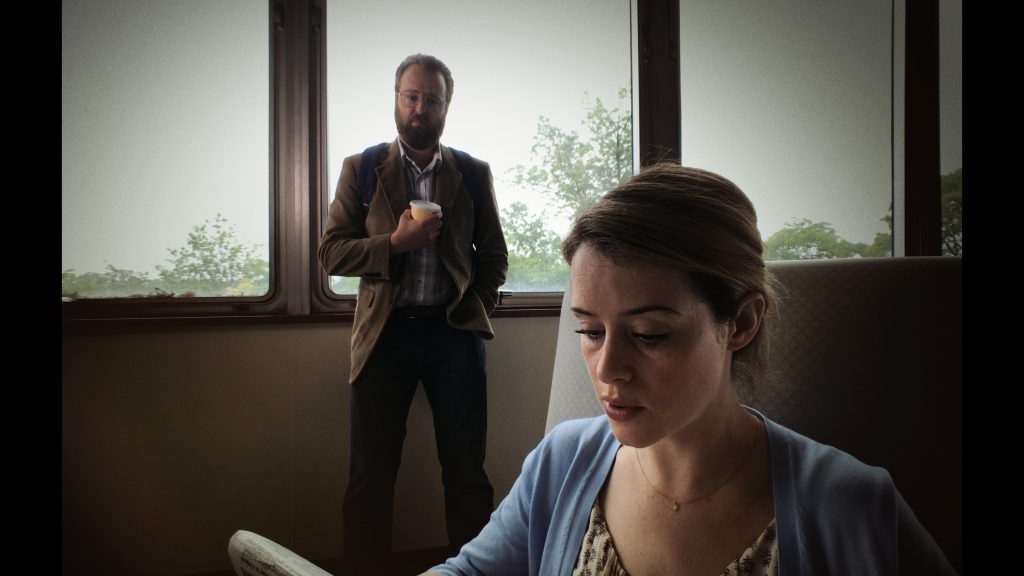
865	356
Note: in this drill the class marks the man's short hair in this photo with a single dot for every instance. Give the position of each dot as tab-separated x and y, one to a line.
430	64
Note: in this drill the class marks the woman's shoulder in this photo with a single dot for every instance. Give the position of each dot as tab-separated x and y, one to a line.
815	483
835	513
811	462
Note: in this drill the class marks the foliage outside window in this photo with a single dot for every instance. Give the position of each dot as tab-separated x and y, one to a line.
212	262
802	239
573	168
952	208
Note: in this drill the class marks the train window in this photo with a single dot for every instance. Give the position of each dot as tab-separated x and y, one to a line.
167	165
951	132
793	100
165	141
542	93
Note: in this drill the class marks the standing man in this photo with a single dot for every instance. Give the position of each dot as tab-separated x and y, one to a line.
427	287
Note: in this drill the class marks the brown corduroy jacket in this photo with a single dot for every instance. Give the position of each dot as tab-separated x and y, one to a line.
356	242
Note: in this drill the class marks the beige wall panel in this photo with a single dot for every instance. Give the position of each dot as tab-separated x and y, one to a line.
173	438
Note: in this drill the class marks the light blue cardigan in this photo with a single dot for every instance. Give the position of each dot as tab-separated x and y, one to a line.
834	514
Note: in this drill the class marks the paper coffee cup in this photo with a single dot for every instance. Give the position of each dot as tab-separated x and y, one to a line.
422	208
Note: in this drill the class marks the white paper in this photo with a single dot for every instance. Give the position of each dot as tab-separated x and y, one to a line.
254	555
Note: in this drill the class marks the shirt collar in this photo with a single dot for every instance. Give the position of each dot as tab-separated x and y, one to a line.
434	165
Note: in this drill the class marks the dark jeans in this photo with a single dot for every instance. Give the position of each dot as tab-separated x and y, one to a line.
450	363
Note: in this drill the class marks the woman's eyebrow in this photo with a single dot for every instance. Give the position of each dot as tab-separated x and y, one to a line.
633	311
650	308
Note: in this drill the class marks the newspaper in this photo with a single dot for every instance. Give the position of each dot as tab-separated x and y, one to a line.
254	555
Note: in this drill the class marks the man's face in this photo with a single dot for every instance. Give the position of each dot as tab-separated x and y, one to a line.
420	125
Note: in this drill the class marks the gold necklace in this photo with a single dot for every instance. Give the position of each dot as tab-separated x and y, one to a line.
675	504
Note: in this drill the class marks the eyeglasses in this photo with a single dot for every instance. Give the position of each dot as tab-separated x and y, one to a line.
410	98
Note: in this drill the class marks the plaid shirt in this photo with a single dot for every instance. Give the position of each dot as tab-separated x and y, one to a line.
425	281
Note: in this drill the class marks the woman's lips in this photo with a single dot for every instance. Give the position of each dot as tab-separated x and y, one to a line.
620	412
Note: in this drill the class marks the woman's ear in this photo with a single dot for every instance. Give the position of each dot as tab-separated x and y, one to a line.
748	319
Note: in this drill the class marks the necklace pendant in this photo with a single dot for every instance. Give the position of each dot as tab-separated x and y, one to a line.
675	507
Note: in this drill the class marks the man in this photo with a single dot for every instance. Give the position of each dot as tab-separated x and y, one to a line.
427	287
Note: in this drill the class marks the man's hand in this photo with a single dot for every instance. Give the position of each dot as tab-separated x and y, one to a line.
413	234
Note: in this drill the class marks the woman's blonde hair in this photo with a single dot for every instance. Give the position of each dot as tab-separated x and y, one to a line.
693	221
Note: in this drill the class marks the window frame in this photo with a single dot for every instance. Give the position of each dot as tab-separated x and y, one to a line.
287	125
299	290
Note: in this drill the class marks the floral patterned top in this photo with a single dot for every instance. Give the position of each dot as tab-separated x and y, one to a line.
597	555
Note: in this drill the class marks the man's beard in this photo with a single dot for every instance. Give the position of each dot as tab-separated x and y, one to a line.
422	137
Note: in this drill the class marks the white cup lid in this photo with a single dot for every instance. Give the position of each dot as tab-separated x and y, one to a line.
424	205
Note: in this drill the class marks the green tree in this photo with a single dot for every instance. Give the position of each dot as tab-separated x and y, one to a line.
572	169
120	279
535	258
801	239
576	167
952	210
114	283
213	262
882	244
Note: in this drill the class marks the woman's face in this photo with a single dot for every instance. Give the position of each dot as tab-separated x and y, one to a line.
659	362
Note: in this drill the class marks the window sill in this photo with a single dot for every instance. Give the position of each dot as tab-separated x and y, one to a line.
90	315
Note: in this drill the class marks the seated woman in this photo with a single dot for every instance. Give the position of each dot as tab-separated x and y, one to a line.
672	297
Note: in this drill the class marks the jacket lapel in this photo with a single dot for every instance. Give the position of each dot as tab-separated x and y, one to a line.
448	183
392	181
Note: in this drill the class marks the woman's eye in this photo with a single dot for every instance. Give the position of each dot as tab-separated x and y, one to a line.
590	334
650	339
